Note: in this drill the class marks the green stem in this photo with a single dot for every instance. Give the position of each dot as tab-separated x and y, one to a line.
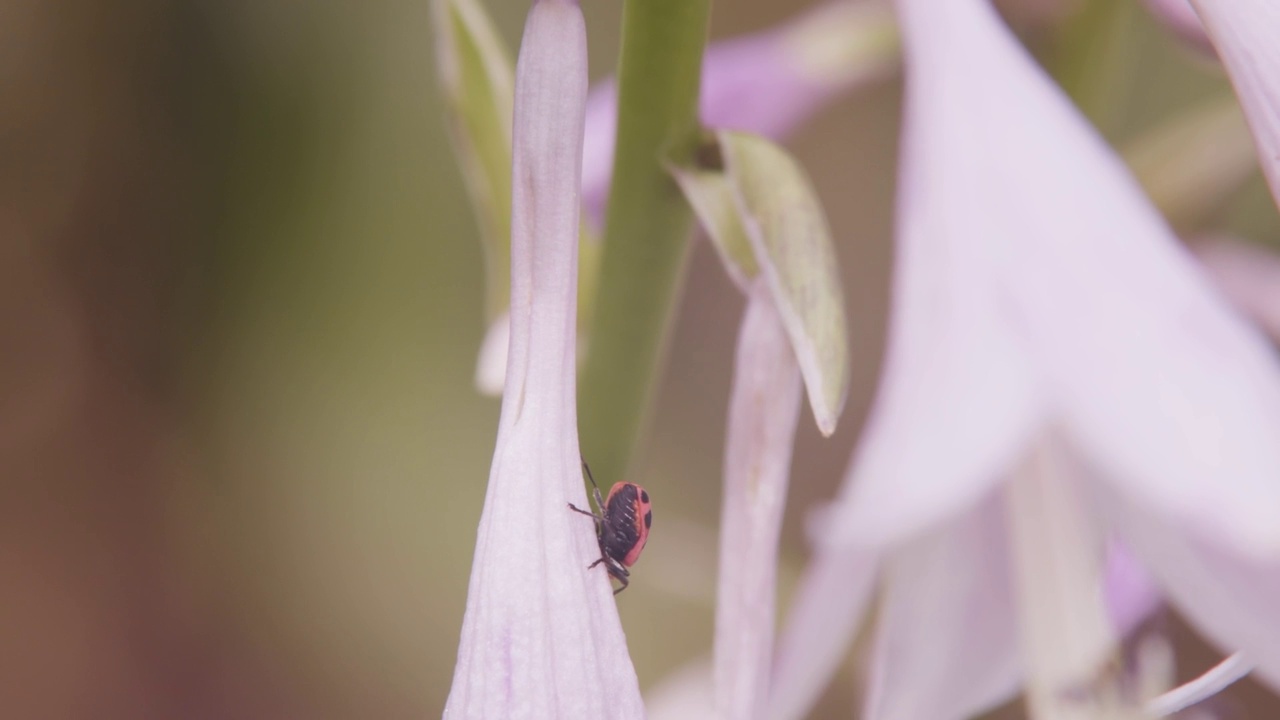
647	226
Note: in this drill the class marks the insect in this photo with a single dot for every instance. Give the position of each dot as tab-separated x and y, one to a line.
622	526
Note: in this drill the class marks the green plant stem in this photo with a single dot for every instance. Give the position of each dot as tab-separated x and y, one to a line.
647	227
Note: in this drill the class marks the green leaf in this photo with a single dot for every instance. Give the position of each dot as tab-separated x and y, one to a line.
788	232
477	73
711	196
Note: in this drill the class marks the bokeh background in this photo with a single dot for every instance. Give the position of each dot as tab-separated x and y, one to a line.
241	457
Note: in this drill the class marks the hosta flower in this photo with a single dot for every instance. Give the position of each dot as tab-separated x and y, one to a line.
1050	290
541	637
1049	339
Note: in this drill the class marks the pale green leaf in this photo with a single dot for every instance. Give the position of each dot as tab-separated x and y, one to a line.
477	73
788	231
711	196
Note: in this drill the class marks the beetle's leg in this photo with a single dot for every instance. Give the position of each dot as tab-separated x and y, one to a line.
616	568
595	489
577	509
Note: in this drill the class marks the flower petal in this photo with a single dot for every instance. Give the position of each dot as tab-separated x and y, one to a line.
1057	555
1229	597
1249	276
764	408
1015	210
541	636
821	624
959	397
1245	32
947	643
951	593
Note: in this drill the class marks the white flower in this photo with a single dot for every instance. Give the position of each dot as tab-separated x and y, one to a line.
541	637
1040	301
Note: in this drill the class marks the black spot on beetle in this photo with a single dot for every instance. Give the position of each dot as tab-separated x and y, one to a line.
644	496
648	520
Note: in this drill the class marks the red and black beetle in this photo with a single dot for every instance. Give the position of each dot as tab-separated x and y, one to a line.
622	526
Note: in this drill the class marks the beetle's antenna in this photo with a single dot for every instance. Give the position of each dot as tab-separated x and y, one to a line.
587	467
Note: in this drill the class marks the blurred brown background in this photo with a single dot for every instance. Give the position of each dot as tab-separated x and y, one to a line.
241	459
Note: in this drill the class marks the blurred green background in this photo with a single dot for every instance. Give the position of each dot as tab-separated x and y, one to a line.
241	457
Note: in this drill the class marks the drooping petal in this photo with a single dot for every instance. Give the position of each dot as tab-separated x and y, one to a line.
541	636
824	617
947	642
1034	276
1249	276
1244	33
1229	597
766	83
764	408
958	397
950	594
